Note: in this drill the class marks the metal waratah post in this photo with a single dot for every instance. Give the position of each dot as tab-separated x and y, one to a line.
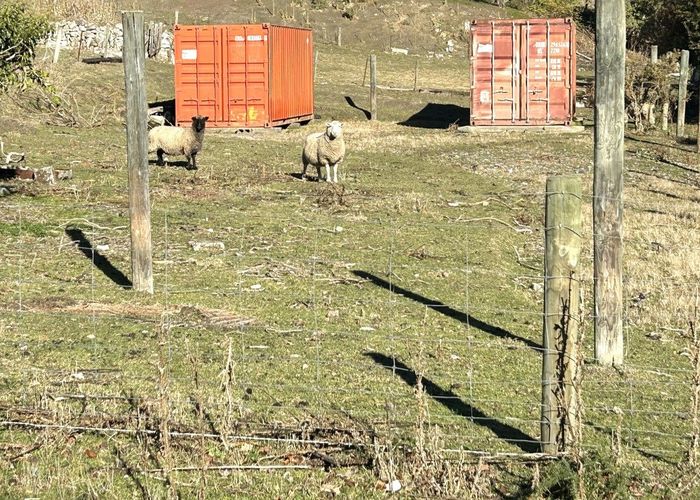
563	228
134	53
609	159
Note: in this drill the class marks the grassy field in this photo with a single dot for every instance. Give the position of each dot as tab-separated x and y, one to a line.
309	322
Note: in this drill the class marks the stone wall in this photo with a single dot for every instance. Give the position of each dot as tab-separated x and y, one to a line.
108	40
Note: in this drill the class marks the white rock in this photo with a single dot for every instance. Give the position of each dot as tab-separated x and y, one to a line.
393	486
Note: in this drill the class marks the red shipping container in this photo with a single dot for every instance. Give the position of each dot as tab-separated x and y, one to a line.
244	75
523	72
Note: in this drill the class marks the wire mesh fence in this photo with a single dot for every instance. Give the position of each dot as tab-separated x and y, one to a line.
299	331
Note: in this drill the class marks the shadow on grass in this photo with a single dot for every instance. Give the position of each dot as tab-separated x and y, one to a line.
352	104
100	261
178	163
438	116
452	402
447	310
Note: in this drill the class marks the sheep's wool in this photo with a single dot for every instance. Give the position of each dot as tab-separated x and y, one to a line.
175	140
325	148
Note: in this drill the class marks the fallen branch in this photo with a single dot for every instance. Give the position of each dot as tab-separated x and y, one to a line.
227	467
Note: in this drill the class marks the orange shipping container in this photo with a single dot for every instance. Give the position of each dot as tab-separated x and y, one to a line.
244	75
523	72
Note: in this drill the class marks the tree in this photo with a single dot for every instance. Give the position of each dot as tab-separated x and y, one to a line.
20	32
670	24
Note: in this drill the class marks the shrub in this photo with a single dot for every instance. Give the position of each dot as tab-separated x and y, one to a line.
20	31
647	85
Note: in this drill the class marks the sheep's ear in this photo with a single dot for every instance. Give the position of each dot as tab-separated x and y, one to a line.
194	118
328	124
205	118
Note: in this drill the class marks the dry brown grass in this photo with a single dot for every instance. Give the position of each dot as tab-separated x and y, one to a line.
94	11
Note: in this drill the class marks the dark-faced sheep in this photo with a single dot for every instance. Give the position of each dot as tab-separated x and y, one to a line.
324	149
185	141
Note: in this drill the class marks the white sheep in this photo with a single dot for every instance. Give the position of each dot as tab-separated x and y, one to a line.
324	149
178	141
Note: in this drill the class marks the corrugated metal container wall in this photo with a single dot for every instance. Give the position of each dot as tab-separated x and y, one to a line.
291	74
243	75
523	72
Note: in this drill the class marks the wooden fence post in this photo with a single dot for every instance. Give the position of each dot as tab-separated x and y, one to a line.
57	47
682	93
134	52
607	180
373	87
652	107
561	312
315	64
664	116
177	17
340	36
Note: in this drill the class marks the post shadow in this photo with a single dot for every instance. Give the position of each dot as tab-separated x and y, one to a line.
352	104
101	262
452	402
448	311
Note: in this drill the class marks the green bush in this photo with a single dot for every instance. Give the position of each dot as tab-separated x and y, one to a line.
20	32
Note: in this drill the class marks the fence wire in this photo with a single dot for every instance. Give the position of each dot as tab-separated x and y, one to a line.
295	331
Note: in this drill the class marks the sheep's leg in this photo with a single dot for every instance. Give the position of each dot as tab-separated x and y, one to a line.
328	173
194	162
335	173
303	170
160	161
318	173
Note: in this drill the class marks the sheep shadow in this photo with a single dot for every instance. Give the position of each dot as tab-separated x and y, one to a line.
437	116
454	403
177	163
352	104
443	308
100	261
309	178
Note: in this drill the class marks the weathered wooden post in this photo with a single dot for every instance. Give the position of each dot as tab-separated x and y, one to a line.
664	116
682	93
340	36
315	64
177	17
373	87
561	312
607	179
57	47
652	107
134	52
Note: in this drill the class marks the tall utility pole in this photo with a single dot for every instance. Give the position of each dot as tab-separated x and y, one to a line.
607	179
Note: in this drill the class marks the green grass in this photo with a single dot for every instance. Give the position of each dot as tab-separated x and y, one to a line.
330	352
